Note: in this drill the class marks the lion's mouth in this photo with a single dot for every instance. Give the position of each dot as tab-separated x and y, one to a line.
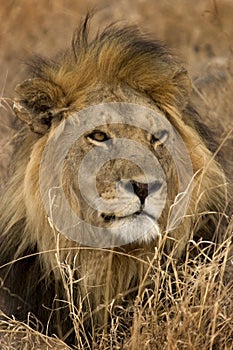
113	217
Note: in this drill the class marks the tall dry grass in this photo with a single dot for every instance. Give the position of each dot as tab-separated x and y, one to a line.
187	305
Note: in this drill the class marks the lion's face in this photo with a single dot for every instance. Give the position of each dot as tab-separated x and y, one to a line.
117	174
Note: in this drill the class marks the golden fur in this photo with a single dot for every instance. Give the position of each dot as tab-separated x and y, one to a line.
118	65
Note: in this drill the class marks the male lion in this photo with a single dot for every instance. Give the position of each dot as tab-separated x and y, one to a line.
54	267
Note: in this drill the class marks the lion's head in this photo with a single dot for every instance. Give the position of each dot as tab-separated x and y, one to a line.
109	138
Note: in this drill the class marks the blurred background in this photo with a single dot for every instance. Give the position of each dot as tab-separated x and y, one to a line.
198	30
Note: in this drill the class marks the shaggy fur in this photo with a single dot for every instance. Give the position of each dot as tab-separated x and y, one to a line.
42	270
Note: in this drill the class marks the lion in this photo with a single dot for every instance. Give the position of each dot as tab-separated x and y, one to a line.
118	75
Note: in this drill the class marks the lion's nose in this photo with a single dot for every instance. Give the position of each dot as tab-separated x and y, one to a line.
141	190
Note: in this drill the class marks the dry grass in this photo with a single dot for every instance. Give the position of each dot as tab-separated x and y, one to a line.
18	336
186	306
189	305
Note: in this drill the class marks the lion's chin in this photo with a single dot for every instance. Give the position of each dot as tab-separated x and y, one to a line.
138	227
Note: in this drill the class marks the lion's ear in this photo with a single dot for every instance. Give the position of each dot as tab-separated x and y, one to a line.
40	101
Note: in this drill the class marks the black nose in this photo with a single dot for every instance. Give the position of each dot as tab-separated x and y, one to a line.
141	190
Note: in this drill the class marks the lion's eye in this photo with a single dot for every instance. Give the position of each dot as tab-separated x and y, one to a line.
98	136
159	138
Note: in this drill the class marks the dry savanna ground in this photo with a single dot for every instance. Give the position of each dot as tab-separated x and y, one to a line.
190	306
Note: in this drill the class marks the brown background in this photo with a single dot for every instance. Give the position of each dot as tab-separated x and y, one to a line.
198	29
